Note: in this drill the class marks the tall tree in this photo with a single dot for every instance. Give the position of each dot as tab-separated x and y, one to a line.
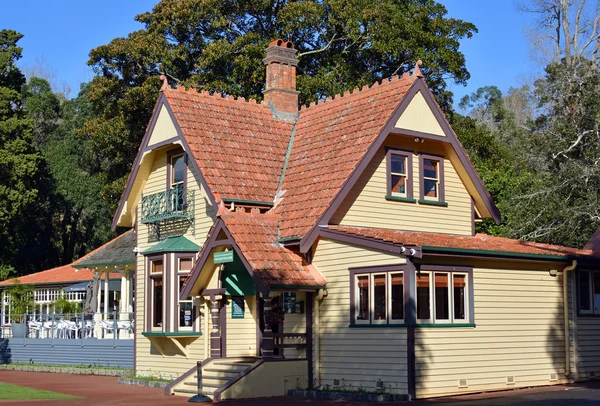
24	184
218	46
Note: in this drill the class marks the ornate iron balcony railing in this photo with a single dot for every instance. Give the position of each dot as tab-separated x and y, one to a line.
173	204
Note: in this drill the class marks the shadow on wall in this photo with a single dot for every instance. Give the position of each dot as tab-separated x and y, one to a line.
5	354
555	341
423	356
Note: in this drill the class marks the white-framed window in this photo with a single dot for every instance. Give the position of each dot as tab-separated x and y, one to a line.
588	292
156	293
379	297
442	297
186	307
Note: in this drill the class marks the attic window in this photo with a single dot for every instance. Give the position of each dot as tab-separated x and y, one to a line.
399	174
431	174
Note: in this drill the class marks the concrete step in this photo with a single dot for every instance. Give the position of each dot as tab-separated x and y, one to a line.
236	365
225	373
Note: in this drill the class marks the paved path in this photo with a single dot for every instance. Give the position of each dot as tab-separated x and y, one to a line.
105	391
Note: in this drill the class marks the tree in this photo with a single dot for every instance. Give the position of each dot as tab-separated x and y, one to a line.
566	30
219	45
23	179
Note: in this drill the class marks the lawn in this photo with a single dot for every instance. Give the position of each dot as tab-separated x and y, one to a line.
15	392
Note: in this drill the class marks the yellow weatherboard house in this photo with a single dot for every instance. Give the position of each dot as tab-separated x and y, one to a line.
334	246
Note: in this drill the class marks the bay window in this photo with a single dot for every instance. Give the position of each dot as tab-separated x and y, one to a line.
156	292
186	308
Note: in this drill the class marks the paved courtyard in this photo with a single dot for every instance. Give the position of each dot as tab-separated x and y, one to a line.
100	390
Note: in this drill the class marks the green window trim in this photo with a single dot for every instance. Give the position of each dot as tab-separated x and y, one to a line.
418	325
171	334
433	202
400	199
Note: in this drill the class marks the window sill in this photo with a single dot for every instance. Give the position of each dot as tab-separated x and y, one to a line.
418	325
400	199
433	203
172	334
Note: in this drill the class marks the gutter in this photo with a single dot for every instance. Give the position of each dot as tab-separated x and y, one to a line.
566	270
492	253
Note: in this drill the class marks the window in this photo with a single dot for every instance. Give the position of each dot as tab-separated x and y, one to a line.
432	178
177	170
186	308
378	297
156	284
442	297
399	174
588	292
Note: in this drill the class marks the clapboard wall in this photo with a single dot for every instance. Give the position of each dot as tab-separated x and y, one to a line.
113	353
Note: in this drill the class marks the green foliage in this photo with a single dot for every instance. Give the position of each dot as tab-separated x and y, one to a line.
20	297
219	46
63	306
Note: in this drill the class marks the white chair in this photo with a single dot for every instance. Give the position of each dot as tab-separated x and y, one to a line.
125	325
107	326
87	329
62	328
49	329
35	329
72	329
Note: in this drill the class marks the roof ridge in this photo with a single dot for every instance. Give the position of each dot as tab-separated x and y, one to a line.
348	92
216	95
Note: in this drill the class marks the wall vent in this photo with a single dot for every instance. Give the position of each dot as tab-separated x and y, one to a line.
379	384
462	383
510	380
336	382
592	375
553	377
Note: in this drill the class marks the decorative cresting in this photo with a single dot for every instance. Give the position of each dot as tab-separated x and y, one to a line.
173	204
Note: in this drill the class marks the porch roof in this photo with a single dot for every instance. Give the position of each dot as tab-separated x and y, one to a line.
479	244
116	252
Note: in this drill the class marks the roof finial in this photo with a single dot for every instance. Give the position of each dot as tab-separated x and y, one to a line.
417	72
165	85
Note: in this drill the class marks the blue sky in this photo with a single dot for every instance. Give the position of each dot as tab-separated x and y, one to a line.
62	32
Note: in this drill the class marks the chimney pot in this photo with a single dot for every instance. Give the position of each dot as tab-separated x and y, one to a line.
280	87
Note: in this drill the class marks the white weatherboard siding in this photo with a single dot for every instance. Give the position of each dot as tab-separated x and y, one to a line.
519	333
357	357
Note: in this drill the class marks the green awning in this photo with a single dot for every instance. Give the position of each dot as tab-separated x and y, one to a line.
173	244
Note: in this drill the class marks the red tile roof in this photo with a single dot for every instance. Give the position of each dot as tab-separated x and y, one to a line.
480	242
66	273
330	140
256	236
239	146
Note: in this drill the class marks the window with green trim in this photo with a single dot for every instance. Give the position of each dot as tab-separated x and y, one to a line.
379	298
442	297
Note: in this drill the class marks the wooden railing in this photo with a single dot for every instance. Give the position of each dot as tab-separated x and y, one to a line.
289	340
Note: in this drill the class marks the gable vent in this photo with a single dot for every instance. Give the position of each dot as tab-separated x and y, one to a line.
462	383
510	380
553	377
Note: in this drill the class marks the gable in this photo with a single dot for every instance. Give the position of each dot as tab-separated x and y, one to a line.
164	128
418	117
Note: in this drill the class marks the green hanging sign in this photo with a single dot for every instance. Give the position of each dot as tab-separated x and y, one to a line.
223	257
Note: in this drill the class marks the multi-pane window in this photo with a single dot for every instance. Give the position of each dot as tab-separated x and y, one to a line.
177	170
399	176
156	285
186	308
379	298
588	292
442	297
431	179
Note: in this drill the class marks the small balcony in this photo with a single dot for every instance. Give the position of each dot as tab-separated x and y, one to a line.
173	204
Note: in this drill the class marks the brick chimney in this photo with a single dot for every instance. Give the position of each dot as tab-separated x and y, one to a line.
280	88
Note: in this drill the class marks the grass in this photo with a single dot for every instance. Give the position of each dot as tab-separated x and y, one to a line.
15	392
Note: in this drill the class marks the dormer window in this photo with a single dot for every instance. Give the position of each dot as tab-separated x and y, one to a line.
431	179
399	174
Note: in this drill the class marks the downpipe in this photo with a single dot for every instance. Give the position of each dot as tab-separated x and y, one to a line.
566	270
